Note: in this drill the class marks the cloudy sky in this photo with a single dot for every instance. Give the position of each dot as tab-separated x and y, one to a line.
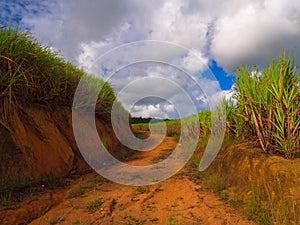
215	37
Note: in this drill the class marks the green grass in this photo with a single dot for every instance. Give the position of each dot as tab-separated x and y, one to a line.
9	187
14	184
77	191
131	220
143	190
6	198
254	209
215	182
190	128
172	221
94	205
224	195
52	181
31	73
141	126
124	153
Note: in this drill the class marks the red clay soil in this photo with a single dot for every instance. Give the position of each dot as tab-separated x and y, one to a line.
93	200
33	147
40	143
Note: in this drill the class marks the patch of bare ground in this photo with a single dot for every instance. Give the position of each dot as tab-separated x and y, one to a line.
94	200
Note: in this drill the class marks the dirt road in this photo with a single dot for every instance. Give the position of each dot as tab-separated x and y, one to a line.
176	200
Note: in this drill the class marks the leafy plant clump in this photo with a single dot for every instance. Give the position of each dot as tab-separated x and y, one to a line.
267	106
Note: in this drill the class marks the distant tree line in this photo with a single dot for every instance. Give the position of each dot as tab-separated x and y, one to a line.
136	120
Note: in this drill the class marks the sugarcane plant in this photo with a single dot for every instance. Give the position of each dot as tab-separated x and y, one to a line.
267	104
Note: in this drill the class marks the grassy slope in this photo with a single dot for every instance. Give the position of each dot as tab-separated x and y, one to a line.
31	73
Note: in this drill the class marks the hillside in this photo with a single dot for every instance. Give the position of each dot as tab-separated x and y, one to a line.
36	93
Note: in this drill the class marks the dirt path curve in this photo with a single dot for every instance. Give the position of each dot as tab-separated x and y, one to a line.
176	200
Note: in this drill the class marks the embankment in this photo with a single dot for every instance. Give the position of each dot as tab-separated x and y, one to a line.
40	143
268	186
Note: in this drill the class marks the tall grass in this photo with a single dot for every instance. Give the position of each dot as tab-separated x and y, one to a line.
31	73
268	106
265	108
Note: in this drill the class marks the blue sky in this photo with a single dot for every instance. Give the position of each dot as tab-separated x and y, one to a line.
216	36
226	79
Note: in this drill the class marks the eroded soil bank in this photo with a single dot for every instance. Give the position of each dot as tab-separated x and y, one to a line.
269	186
38	144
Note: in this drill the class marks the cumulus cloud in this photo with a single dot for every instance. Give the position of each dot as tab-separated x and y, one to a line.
230	32
228	94
256	32
171	95
153	111
149	108
194	62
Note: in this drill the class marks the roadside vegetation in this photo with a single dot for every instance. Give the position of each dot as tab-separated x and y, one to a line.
267	106
31	73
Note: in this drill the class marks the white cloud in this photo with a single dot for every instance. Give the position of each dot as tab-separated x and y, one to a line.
195	62
228	94
231	32
88	54
169	23
146	111
256	32
169	108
